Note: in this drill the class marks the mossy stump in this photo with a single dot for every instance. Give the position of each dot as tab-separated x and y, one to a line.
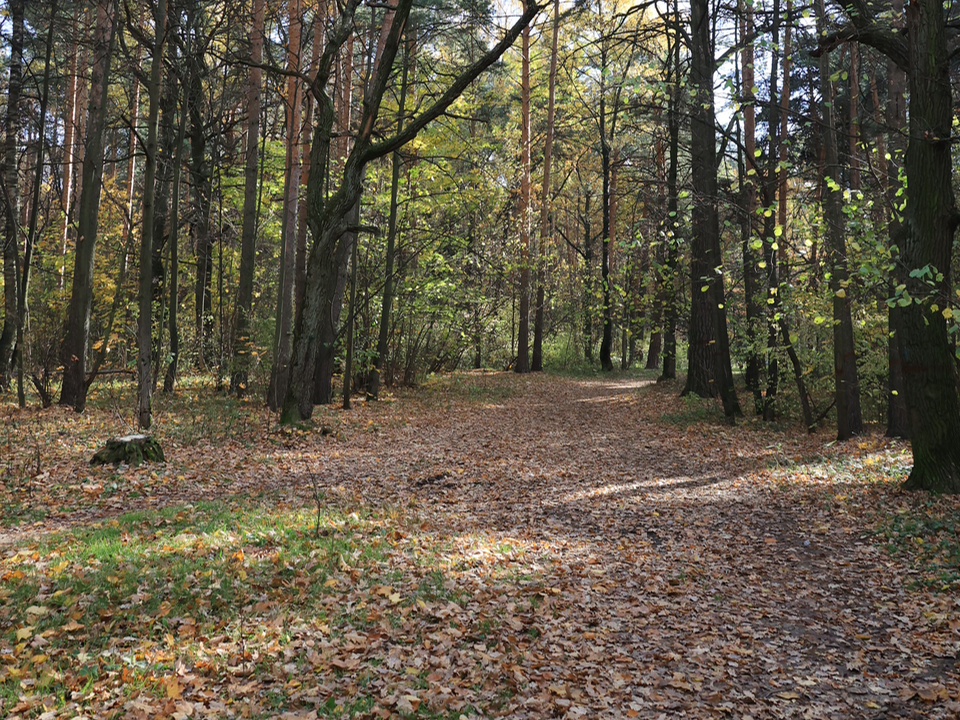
129	449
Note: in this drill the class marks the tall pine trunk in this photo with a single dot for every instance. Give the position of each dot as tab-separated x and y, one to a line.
11	194
288	242
523	211
846	381
145	321
709	369
243	344
537	364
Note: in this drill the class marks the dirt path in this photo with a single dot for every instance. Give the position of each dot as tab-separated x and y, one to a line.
683	579
628	562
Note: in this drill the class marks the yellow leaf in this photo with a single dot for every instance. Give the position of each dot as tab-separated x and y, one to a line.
38	659
394	598
25	633
174	689
37	611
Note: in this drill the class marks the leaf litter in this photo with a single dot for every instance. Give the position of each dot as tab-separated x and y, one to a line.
488	546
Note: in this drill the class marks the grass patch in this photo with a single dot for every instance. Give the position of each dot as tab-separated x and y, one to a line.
926	536
153	608
695	410
474	388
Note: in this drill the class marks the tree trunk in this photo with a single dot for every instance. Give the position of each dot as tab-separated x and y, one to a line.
930	220
751	279
537	365
11	192
587	297
710	373
34	212
74	349
202	187
70	121
243	344
386	305
523	212
170	377
300	266
846	381
288	247
897	418
145	321
771	240
671	228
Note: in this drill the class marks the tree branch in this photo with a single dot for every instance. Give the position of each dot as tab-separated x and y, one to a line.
411	131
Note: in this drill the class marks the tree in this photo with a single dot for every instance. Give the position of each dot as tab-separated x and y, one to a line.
524	210
709	371
930	219
145	322
847	392
11	192
329	218
288	244
74	350
243	347
545	189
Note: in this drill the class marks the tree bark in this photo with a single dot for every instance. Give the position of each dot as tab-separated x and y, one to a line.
846	381
202	187
243	344
751	279
898	424
31	239
671	227
523	211
145	321
70	121
74	349
288	247
537	364
930	221
11	191
709	370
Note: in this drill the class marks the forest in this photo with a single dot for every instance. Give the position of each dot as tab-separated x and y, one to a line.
580	358
281	194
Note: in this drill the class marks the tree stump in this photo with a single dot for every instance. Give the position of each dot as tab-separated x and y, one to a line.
129	449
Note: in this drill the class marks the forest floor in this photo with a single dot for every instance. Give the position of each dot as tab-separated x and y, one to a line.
488	545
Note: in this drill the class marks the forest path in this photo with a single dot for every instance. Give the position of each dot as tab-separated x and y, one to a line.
683	574
614	551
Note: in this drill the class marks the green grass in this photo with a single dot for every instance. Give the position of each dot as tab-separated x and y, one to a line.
928	538
138	576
